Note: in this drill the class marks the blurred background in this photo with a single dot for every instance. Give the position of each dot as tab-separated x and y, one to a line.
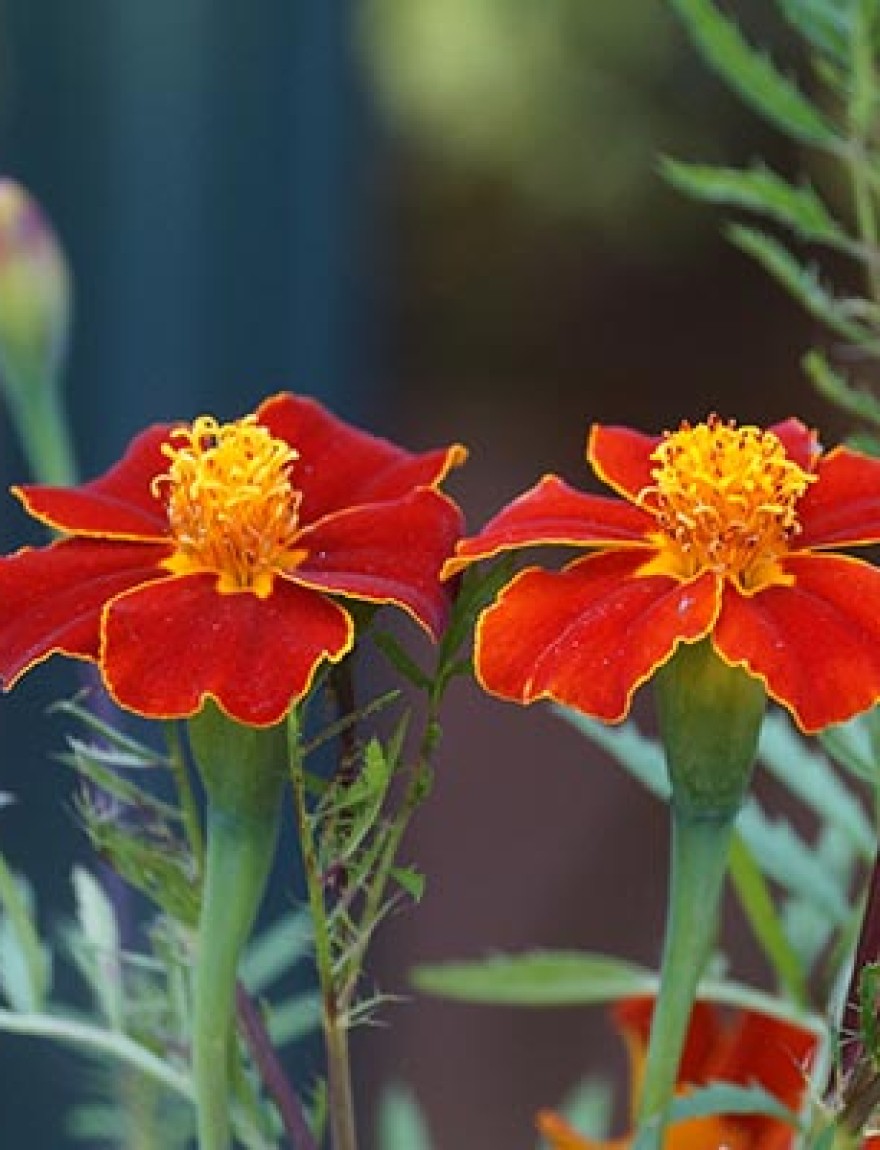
443	219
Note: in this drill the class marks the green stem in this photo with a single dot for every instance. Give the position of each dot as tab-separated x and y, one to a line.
240	850
335	1022
342	1128
38	414
699	861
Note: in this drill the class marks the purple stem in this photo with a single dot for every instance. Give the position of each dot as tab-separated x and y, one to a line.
272	1073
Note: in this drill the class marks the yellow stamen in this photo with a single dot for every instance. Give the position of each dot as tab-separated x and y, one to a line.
725	499
231	506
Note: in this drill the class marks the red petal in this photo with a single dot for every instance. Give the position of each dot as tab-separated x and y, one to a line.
168	646
621	458
799	441
767	1050
340	466
590	635
553	512
816	644
633	1016
843	505
118	505
53	597
386	553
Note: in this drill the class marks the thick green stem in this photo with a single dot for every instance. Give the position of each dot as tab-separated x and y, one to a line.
239	857
710	717
699	862
243	772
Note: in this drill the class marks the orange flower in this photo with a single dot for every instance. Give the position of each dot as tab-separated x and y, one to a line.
724	531
211	560
747	1049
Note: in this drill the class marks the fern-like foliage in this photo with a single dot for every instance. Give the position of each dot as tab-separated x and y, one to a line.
832	112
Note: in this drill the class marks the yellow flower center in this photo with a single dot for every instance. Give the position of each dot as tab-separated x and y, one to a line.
725	499
231	507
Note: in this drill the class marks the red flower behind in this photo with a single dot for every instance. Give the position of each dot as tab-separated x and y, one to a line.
723	531
208	562
747	1049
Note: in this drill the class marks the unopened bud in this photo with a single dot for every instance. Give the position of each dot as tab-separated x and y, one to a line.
35	295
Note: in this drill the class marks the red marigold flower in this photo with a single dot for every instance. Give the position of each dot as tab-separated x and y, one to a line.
207	563
723	531
748	1048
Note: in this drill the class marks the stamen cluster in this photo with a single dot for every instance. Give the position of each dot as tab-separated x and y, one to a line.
231	506
725	500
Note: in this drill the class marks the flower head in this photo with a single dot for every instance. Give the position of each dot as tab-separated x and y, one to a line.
746	1049
214	560
723	532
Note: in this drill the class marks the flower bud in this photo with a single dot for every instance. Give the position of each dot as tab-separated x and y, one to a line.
35	296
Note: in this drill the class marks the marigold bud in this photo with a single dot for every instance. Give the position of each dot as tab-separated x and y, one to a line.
35	295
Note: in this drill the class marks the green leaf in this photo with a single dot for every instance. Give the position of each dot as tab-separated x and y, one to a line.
641	756
294	1019
807	927
412	881
791	862
539	978
826	24
838	390
763	918
851	745
401	661
25	962
801	282
727	1098
810	776
752	75
589	1107
99	956
401	1124
758	189
276	949
160	869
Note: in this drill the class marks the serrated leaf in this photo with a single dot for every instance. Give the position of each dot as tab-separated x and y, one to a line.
834	387
800	281
753	75
758	189
810	776
401	1123
539	978
791	862
161	871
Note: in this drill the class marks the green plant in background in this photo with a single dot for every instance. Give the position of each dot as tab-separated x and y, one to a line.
815	234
